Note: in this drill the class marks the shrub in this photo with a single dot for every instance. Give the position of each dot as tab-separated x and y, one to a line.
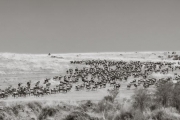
164	93
165	114
76	115
34	105
141	99
87	105
47	111
124	116
109	115
153	106
104	106
2	116
109	98
113	93
16	108
138	115
176	97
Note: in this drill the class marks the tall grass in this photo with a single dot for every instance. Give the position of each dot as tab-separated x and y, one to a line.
141	106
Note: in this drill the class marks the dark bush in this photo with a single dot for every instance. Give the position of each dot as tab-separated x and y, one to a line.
141	99
164	93
35	107
176	97
124	116
76	115
109	98
16	109
1	115
88	103
113	93
48	111
153	107
87	106
104	106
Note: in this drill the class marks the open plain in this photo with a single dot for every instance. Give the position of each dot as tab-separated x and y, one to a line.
83	86
21	68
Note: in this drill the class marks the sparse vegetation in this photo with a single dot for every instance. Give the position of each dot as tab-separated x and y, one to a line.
141	99
141	106
47	111
77	115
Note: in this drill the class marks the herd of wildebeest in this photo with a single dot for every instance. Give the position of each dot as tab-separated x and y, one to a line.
91	75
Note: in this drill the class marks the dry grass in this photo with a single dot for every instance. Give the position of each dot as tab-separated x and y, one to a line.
106	109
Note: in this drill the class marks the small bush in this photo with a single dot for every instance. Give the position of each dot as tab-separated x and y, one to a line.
113	93
141	99
76	115
36	107
164	114
153	106
104	106
47	111
109	115
124	116
138	115
16	108
2	116
87	106
176	97
164	93
109	98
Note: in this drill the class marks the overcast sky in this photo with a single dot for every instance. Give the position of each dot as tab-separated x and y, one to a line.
68	26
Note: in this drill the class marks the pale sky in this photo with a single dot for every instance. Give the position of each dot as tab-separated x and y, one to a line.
69	26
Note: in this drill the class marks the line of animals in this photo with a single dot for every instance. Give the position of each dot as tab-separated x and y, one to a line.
96	75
